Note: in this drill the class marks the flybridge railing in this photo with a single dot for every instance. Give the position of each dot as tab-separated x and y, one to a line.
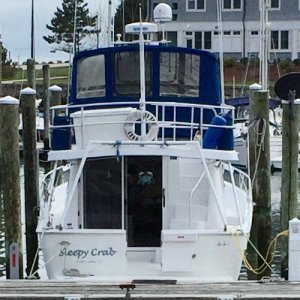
161	120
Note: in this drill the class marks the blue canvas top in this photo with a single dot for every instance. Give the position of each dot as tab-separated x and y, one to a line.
171	73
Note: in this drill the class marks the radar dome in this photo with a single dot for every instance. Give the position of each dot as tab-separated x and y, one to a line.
162	13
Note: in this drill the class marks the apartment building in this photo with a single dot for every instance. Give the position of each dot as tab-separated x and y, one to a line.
195	24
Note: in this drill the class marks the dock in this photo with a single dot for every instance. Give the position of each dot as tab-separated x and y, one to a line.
75	290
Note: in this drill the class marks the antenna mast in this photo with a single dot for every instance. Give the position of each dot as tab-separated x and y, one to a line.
264	49
142	74
74	29
221	56
32	31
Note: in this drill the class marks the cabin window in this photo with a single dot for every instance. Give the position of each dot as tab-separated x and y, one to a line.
179	74
91	77
127	73
102	194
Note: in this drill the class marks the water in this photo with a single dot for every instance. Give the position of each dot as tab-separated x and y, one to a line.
275	201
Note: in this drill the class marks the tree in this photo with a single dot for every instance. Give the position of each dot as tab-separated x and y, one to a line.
5	59
8	69
130	10
62	24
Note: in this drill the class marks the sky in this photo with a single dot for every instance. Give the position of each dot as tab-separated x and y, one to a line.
15	27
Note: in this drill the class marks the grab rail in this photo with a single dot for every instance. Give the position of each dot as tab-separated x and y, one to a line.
169	121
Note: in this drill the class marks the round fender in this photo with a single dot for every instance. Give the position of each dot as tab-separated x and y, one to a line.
151	126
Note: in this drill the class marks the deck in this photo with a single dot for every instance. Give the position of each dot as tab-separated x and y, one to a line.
75	290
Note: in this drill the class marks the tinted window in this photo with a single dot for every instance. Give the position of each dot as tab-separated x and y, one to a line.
102	194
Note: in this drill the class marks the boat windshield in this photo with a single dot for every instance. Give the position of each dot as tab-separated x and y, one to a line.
114	75
126	66
179	74
91	77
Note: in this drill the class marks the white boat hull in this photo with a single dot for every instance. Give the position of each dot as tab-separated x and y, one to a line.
103	255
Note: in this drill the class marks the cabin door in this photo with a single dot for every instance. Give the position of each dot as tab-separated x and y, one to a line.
143	200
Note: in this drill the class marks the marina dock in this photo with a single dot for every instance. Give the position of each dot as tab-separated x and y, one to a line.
44	290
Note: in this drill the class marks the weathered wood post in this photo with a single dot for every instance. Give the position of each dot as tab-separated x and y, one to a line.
297	111
260	174
288	87
31	73
31	179
10	179
55	95
46	83
0	66
289	172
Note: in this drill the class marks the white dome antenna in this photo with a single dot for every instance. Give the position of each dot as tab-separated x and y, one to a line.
162	13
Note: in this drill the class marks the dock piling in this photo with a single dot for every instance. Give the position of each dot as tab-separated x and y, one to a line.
289	171
10	178
55	95
260	174
31	180
31	79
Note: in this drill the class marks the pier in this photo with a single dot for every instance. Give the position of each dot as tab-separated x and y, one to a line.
75	290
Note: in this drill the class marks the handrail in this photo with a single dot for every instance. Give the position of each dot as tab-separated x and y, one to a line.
243	185
194	115
235	194
191	196
49	186
212	185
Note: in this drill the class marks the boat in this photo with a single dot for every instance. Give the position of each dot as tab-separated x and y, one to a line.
151	193
39	121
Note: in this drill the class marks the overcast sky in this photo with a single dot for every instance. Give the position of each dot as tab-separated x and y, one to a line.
15	27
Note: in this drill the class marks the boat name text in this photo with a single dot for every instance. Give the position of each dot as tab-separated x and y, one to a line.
81	254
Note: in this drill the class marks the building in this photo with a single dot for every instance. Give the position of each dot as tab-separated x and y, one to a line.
195	24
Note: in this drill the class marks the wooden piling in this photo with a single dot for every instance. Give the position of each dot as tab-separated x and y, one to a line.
1	47
55	94
289	172
30	155
31	80
260	174
10	177
46	83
